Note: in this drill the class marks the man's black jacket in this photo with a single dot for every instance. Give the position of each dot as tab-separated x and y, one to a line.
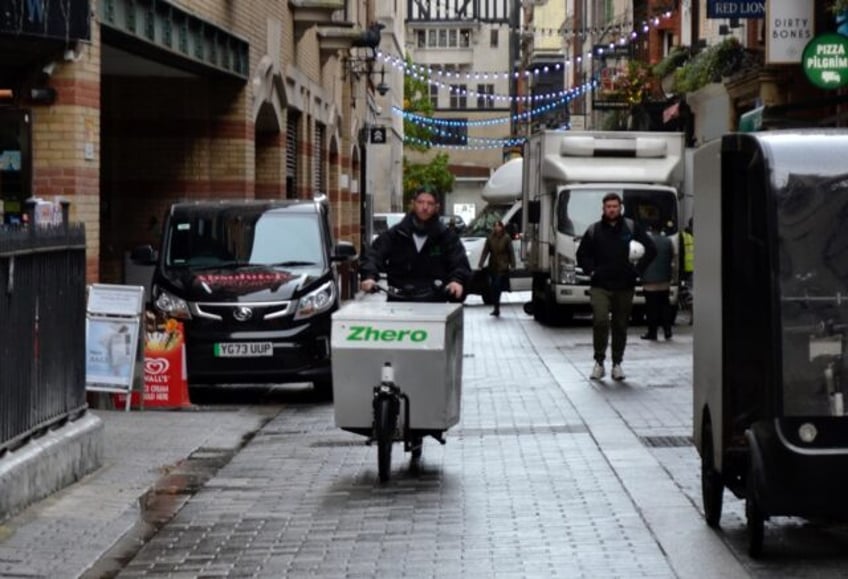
442	257
604	254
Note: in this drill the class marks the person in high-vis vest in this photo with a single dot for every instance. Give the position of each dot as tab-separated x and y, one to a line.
688	253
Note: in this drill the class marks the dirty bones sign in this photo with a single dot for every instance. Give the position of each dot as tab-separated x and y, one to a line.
826	61
789	27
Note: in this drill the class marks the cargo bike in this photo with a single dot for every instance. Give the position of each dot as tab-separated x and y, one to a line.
771	325
397	370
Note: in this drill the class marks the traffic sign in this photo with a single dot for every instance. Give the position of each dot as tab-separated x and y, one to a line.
378	135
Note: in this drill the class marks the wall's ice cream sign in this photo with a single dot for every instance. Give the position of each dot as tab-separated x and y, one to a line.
825	61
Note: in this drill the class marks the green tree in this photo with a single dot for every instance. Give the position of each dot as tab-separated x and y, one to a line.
435	174
416	101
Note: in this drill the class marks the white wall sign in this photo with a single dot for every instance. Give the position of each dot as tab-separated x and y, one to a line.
112	324
790	25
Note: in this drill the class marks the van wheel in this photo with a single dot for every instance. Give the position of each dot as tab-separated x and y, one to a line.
323	389
755	519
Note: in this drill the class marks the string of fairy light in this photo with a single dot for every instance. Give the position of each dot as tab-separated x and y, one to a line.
446	79
443	78
434	125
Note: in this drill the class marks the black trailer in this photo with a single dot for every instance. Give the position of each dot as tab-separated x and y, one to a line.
771	322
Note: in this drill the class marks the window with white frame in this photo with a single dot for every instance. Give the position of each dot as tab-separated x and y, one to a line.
459	96
434	96
447	38
485	100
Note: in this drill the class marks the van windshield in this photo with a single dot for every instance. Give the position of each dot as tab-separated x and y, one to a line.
579	208
214	238
483	224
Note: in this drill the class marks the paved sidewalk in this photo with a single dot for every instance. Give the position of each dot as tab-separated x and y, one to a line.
541	478
65	534
547	475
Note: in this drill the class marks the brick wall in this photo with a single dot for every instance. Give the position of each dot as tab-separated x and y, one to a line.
123	147
66	144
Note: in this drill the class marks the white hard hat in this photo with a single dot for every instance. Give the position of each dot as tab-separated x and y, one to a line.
637	250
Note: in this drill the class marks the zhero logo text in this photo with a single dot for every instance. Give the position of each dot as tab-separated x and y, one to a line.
372	334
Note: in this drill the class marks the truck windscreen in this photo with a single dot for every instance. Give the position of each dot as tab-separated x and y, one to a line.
483	224
578	208
207	239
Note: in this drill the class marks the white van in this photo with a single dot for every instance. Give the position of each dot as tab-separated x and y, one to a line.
502	194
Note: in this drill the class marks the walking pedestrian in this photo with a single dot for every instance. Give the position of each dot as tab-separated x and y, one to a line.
605	255
687	256
656	283
498	250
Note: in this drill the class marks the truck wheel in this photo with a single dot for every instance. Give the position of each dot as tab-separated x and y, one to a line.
563	315
541	312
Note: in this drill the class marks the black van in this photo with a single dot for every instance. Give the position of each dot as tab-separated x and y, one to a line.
255	284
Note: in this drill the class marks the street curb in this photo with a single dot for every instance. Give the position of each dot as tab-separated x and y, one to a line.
49	463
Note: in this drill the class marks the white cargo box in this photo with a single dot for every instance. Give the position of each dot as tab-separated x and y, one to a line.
423	343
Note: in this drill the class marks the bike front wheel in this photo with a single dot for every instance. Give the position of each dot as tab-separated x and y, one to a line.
385	421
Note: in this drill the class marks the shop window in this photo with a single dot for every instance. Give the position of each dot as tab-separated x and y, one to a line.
15	179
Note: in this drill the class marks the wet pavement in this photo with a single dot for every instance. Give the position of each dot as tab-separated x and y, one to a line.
70	531
547	475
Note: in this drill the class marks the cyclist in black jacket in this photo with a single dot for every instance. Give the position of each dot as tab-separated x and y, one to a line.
604	254
417	251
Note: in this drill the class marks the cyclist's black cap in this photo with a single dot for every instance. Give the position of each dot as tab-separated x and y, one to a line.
426	189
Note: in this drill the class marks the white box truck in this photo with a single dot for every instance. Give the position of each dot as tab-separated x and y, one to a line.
502	194
566	175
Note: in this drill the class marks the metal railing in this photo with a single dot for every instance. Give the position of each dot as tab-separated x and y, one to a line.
42	329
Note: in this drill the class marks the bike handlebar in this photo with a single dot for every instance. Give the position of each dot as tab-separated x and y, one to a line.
436	293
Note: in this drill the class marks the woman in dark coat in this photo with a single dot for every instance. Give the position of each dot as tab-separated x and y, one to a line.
498	250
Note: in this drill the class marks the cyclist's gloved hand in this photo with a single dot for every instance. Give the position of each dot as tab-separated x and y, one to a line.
368	285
